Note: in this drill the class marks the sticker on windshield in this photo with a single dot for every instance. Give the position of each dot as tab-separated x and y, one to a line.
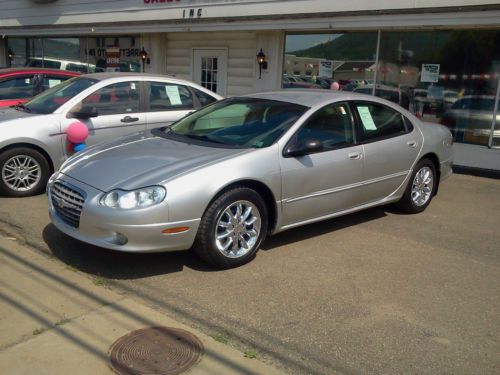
366	118
132	85
173	95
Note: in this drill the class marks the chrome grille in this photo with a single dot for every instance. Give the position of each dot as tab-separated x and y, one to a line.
67	202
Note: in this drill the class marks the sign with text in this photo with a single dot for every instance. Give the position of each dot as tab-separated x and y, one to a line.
430	73
113	58
325	68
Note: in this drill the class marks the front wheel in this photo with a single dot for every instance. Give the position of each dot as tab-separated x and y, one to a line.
23	172
232	228
421	187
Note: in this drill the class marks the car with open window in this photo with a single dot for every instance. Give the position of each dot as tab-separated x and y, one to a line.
222	178
33	139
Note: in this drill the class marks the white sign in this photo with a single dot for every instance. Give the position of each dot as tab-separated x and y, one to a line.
173	95
366	118
430	73
325	68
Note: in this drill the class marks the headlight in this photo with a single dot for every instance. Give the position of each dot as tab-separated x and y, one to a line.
139	198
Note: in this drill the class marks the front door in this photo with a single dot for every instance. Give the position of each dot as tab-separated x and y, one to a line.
119	112
210	69
320	184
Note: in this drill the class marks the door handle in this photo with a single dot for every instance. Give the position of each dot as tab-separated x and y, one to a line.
412	144
355	155
129	119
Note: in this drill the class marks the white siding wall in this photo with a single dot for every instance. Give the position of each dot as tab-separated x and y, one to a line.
241	63
66	12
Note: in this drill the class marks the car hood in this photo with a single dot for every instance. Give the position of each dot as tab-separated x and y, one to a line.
140	160
7	113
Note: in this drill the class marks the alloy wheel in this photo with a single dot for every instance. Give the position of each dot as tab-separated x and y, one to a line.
21	173
422	186
237	229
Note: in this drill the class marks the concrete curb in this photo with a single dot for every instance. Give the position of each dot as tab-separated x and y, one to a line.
55	320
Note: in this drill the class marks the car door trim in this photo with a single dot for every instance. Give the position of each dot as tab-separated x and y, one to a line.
347	187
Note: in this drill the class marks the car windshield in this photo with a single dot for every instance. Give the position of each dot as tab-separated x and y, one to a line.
239	122
51	99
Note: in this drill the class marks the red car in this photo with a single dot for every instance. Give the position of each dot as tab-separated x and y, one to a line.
17	85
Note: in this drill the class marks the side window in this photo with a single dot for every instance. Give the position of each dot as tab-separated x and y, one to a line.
16	88
118	98
204	99
331	125
379	121
169	97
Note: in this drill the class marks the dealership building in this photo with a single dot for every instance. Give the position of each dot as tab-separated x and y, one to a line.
439	59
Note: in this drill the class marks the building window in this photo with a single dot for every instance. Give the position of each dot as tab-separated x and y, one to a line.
447	77
78	54
320	60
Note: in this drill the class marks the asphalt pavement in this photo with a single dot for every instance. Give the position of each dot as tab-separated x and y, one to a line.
376	292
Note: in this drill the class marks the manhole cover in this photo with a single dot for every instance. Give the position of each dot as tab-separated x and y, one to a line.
155	350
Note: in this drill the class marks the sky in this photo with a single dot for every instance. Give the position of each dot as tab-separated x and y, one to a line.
300	42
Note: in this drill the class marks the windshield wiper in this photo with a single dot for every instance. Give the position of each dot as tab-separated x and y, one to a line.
202	138
20	106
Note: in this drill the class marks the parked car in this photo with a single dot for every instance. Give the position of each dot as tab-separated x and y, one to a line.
222	178
299	85
393	94
470	119
17	85
74	66
33	138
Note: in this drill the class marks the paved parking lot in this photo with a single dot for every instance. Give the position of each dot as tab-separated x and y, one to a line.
374	292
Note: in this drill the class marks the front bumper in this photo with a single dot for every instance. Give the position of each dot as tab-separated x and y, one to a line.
122	230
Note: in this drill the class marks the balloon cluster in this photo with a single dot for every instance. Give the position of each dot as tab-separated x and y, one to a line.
76	134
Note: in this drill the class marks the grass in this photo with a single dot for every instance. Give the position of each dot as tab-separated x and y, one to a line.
220	337
38	331
99	281
62	321
71	268
250	354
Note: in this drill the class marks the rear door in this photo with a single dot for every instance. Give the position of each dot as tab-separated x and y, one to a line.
391	145
120	111
167	102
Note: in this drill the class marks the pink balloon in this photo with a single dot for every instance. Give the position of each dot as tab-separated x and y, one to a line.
334	86
77	132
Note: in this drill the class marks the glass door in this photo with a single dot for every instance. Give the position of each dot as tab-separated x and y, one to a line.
210	69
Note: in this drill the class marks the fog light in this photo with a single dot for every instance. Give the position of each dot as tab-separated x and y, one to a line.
117	239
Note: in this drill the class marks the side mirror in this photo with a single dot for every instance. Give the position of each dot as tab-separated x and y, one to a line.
85	112
306	147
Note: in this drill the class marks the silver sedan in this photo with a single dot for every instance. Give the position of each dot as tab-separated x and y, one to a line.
33	139
223	178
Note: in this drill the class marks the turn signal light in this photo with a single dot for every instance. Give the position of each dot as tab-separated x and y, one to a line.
175	230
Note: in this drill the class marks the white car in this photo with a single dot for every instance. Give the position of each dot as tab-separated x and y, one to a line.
33	141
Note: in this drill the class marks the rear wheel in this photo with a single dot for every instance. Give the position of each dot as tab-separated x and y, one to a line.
23	172
421	188
232	228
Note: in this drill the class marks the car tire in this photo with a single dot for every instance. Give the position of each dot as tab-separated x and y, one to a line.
420	189
238	216
23	172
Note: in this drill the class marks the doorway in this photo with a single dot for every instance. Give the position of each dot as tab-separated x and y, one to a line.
210	69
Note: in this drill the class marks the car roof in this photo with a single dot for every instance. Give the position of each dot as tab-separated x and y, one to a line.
311	97
109	75
28	70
